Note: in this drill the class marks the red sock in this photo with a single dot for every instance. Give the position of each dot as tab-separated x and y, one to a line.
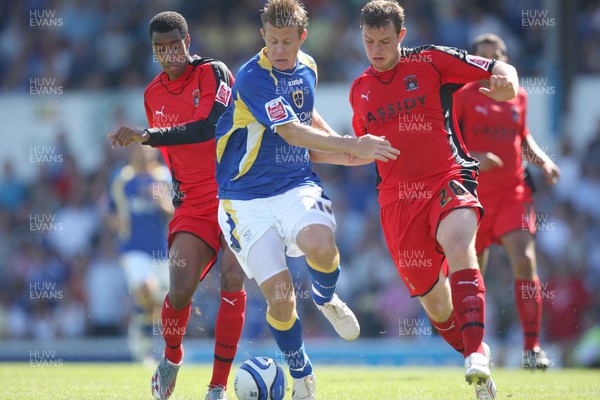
450	332
174	323
528	297
468	300
228	329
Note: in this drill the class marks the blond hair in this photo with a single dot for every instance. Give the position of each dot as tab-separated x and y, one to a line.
285	13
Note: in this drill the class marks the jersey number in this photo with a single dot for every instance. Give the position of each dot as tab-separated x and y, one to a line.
456	188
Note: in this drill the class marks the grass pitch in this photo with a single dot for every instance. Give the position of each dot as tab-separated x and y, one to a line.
130	382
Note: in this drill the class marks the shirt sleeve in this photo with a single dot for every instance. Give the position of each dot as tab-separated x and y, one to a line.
458	66
258	90
214	84
358	125
523	99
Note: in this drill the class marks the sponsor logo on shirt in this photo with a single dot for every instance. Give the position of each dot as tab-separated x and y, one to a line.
196	96
223	94
477	61
276	110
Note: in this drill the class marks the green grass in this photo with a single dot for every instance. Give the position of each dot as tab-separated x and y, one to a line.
130	382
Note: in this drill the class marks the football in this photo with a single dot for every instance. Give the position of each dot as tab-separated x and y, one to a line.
260	378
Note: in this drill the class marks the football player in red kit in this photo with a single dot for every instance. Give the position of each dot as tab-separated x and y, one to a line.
183	104
429	209
496	134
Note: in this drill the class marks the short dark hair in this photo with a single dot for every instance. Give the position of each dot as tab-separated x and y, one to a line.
379	13
166	21
489	38
284	13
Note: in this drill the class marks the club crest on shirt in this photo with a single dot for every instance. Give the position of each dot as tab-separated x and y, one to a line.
276	110
515	113
298	97
196	97
411	82
223	94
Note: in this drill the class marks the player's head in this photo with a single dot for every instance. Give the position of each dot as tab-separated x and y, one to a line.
489	45
283	29
170	42
382	31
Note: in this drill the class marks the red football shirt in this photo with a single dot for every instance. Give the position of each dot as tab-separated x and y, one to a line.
497	127
183	114
411	105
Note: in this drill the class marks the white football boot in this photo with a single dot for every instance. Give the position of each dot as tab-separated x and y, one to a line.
304	388
478	373
341	317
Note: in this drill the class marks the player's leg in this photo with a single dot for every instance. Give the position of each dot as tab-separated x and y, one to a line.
230	317
278	290
520	247
438	306
456	234
188	256
309	231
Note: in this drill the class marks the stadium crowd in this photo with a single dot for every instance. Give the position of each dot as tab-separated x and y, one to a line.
59	271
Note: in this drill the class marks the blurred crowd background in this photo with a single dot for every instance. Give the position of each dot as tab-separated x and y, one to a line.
104	44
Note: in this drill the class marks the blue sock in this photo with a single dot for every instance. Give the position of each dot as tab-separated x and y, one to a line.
323	284
288	336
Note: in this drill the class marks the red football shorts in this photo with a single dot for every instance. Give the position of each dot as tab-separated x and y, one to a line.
410	227
505	212
201	221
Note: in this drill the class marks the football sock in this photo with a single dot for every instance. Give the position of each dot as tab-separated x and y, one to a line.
288	336
228	329
324	279
468	300
174	323
529	306
451	333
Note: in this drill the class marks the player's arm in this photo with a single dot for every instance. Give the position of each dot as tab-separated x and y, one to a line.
368	147
200	128
487	160
332	158
504	82
535	155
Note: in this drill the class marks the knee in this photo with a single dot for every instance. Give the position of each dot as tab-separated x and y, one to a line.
320	249
282	303
232	281
180	295
438	311
460	249
524	265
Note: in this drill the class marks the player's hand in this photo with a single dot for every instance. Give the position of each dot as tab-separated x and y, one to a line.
125	136
551	172
490	161
501	89
372	147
